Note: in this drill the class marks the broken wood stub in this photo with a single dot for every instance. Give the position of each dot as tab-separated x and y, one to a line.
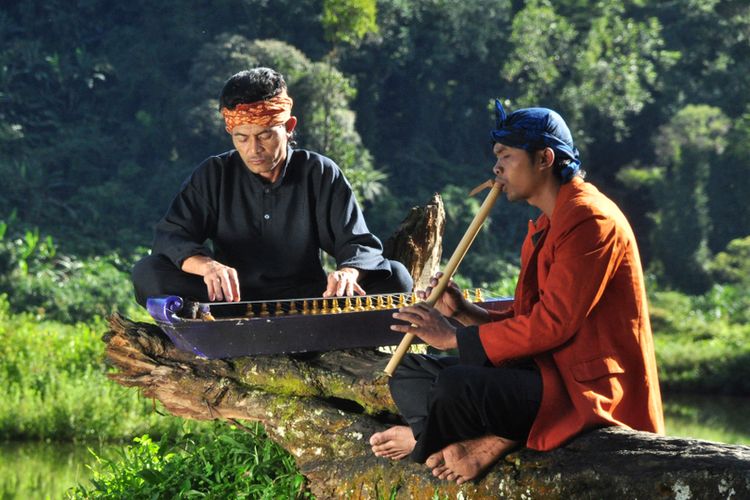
418	241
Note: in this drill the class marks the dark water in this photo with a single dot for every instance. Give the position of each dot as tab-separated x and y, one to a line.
48	470
716	418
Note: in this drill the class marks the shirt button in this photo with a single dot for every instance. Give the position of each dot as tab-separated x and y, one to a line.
266	190
267	216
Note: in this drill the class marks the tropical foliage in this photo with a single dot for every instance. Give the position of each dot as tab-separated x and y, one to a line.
105	107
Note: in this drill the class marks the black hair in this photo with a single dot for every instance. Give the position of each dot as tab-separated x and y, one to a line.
257	84
559	166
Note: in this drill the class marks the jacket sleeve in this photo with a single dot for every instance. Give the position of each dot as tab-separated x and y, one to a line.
341	225
585	256
188	223
501	315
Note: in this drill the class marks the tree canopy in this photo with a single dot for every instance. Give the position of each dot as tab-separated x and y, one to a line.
105	108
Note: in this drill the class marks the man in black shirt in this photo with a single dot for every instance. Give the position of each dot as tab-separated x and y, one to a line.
268	210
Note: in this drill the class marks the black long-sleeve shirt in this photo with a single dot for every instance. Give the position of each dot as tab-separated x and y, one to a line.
271	233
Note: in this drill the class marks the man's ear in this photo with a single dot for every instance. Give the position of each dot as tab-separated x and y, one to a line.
291	123
547	157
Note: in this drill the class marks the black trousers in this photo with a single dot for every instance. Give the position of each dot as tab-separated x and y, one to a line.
445	402
156	275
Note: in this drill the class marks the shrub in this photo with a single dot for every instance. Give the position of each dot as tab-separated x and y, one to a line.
733	264
220	463
53	385
39	280
702	340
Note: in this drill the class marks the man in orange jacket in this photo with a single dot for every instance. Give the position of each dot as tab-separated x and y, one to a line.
574	352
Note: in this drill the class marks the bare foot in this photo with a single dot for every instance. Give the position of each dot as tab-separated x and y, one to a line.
395	443
436	462
466	460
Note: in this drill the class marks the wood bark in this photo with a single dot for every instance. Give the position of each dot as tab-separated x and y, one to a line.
322	408
417	243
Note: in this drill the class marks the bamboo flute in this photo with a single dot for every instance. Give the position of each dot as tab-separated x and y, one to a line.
450	268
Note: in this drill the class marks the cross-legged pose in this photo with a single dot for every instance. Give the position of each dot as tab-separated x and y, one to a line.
574	352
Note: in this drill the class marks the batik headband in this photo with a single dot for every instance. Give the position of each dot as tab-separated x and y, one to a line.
536	128
266	113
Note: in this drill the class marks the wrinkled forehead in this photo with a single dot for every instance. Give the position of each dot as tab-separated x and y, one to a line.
253	129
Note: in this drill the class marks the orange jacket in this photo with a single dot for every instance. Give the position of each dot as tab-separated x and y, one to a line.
580	312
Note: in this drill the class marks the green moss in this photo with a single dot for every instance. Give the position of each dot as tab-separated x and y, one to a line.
291	386
273	381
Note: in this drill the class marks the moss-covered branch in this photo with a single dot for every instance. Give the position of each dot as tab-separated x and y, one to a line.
324	409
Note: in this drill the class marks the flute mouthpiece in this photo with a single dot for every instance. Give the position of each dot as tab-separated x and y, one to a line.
485	185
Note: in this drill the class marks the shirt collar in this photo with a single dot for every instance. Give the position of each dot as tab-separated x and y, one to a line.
567	191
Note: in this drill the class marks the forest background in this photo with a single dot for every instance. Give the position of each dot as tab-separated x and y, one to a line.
106	107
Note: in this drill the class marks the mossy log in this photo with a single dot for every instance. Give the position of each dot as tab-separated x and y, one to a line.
323	408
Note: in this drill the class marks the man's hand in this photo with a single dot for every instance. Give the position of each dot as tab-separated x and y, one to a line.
428	324
343	283
451	303
221	281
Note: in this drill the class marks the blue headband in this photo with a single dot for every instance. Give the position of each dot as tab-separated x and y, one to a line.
537	128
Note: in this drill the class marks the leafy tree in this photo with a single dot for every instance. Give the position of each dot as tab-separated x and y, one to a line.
105	107
310	84
733	264
597	74
543	47
728	187
348	21
712	39
423	88
687	147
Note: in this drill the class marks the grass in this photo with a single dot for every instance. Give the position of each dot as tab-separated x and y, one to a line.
702	342
53	388
53	385
222	462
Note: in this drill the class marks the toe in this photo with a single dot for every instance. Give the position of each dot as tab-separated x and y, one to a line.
434	460
439	470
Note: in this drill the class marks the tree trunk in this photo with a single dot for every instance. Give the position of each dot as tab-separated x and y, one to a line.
324	409
417	243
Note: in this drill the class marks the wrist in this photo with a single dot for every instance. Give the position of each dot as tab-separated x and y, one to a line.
198	264
471	314
461	310
459	315
354	273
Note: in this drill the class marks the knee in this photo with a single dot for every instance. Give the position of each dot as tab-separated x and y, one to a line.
144	269
144	276
450	387
405	372
400	279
